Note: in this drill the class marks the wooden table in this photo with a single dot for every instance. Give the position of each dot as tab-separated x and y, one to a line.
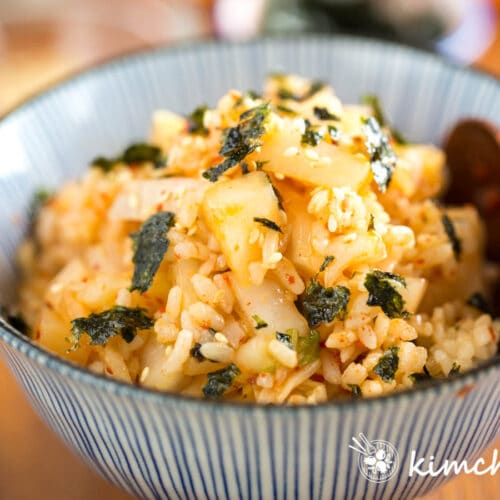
33	462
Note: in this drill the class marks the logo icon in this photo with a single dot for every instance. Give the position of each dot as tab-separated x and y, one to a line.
378	460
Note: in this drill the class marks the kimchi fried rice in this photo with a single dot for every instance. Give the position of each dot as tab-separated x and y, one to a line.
278	248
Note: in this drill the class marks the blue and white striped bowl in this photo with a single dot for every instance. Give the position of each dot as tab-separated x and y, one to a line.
165	446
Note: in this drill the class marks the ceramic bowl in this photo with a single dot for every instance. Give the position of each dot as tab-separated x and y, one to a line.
158	445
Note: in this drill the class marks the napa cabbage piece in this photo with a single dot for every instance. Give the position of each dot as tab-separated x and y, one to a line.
254	356
140	198
300	249
283	148
232	210
270	302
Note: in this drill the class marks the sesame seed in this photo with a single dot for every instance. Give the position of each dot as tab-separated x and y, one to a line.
332	224
254	236
144	375
133	200
56	287
291	151
311	154
275	257
219	337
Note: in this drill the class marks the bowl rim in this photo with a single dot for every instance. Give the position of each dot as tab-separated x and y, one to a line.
78	373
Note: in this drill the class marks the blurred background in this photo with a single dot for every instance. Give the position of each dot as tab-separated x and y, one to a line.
41	41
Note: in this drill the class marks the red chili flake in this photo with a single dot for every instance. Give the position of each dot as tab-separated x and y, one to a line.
85	279
492	333
461	393
38	334
159	207
109	370
290	279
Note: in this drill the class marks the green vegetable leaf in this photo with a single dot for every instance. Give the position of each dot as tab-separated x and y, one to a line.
142	153
196	353
259	165
371	223
136	153
355	391
259	322
420	377
268	223
105	164
383	293
311	136
195	121
328	260
478	301
150	245
322	305
244	167
382	157
253	94
315	87
324	114
334	133
241	140
119	320
308	348
456	243
249	94
374	102
220	381
278	197
387	365
285	110
39	199
398	136
286	339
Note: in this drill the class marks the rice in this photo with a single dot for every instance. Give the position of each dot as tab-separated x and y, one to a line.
294	276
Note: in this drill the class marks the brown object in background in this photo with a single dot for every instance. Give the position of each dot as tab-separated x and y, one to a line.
473	157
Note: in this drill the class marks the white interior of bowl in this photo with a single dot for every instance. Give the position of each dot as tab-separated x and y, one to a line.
53	137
